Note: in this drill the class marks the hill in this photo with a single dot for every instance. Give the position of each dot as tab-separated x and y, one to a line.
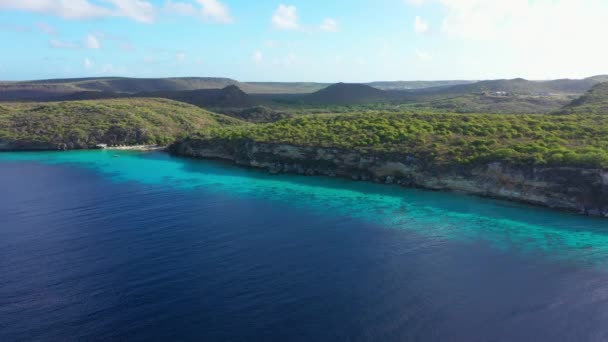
257	114
83	124
520	86
228	97
137	85
519	104
409	85
594	101
346	93
54	88
457	139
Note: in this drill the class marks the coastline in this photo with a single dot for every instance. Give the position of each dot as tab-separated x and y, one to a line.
62	147
136	148
578	190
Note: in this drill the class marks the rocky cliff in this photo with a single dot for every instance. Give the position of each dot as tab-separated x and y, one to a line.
566	188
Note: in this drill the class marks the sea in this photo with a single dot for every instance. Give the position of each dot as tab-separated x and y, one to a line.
145	246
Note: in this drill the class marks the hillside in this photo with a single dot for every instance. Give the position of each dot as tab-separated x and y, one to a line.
257	114
594	101
30	89
57	89
83	124
50	89
409	85
558	161
137	85
228	97
518	104
520	86
441	139
346	93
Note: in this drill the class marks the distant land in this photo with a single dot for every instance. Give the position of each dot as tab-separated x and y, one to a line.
137	85
540	142
225	95
594	101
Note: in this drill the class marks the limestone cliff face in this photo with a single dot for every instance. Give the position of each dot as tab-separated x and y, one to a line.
566	188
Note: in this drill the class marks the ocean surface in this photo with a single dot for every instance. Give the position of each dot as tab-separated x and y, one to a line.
142	246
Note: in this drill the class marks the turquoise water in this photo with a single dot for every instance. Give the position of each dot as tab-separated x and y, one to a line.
443	216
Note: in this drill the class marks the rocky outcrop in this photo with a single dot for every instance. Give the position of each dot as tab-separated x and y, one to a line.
567	188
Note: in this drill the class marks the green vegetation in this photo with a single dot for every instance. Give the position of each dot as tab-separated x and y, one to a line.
256	114
82	124
520	86
137	85
512	104
595	101
575	140
346	93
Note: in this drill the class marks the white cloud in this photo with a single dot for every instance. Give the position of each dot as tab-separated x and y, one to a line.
71	9
423	55
329	25
107	68
210	10
138	10
544	37
181	8
88	64
113	69
62	44
272	44
180	57
286	18
216	11
47	29
420	26
287	61
92	42
359	61
257	56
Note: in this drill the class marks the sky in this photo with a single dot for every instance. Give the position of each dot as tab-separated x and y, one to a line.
304	40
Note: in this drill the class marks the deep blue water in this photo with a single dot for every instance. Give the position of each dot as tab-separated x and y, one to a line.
143	247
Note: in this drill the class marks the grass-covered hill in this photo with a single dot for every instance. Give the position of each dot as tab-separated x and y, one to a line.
411	85
37	89
228	97
83	124
520	86
223	94
136	85
483	103
574	140
346	93
257	114
594	101
44	90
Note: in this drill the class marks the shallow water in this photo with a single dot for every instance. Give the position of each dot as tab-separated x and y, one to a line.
145	246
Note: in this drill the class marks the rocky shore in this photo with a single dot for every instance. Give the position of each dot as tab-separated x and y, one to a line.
566	188
10	146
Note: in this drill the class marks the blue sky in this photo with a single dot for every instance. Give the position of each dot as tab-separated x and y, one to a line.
304	40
